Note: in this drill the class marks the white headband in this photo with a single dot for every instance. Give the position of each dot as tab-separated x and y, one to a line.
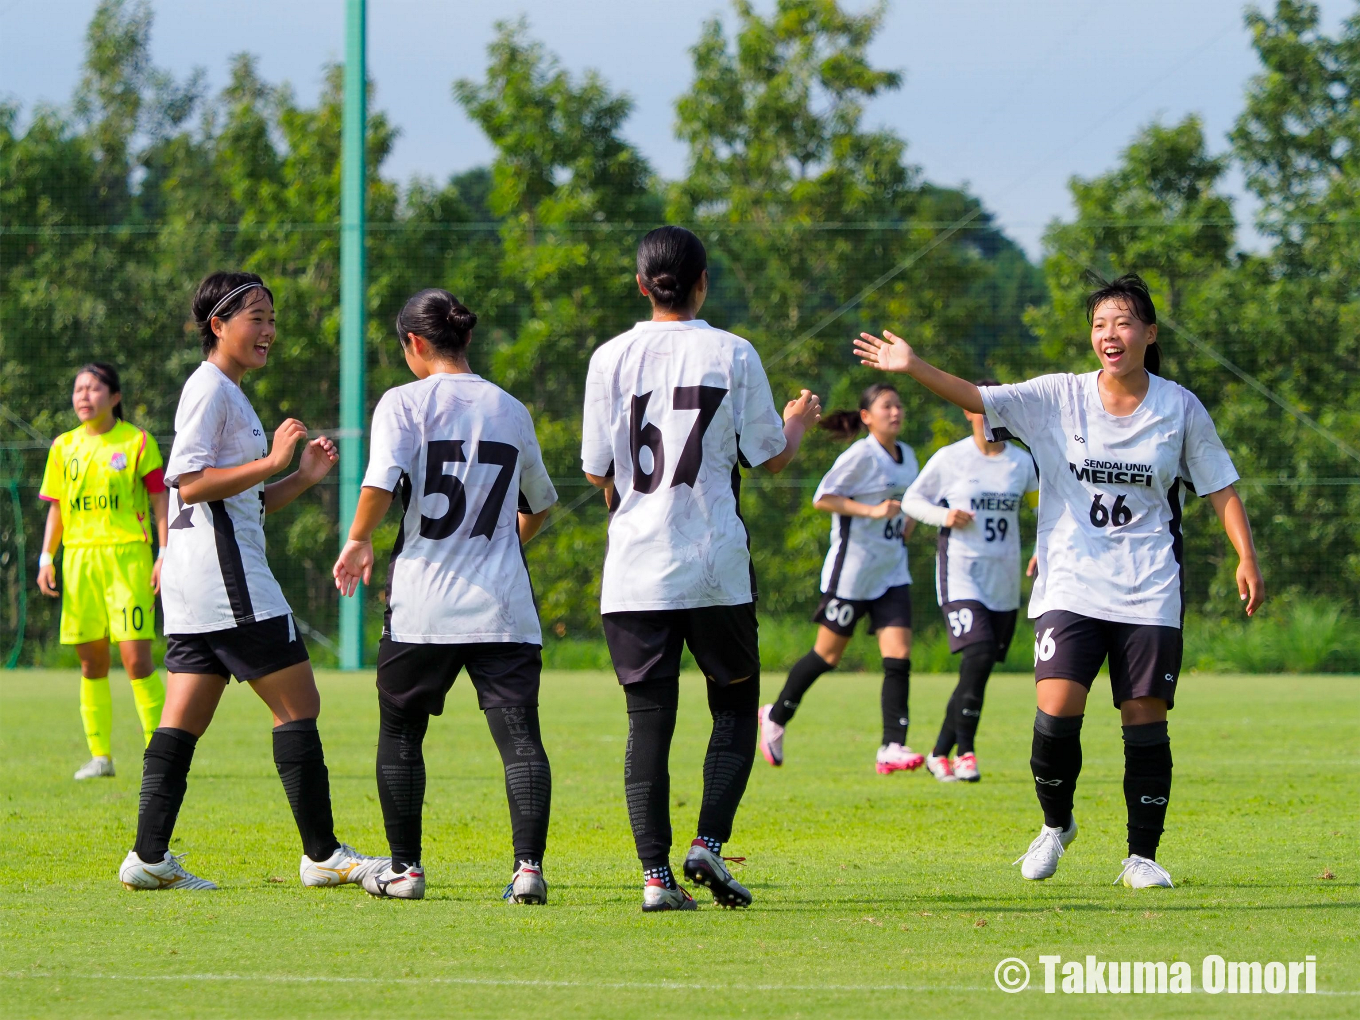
230	294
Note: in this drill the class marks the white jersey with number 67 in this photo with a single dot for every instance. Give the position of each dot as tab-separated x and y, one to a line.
671	409
461	454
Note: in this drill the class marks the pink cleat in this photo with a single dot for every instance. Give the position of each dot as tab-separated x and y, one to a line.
771	737
898	758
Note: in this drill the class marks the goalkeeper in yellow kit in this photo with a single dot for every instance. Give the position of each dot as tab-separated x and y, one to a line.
104	480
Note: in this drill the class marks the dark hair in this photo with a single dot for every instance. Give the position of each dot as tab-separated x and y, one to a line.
208	303
988	381
108	375
848	424
439	317
670	261
1133	292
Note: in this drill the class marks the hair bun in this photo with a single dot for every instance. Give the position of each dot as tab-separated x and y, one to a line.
461	319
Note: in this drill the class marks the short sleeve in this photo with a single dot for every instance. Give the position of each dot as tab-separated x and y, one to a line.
53	488
148	457
597	452
1020	410
393	445
1205	463
760	429
199	423
535	487
847	476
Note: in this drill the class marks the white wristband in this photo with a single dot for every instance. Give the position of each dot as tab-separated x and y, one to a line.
44	559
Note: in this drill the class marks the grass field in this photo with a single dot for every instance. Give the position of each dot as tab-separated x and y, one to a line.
875	896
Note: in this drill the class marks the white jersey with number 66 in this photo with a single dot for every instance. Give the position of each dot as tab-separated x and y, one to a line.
671	409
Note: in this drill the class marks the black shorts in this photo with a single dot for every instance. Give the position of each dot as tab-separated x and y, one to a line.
417	677
724	641
968	623
1145	660
891	609
247	652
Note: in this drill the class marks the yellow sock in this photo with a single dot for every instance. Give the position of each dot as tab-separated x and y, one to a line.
96	712
148	694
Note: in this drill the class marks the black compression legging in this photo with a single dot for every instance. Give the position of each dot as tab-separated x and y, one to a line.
964	711
646	763
401	778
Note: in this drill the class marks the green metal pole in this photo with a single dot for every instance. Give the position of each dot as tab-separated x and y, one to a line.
352	298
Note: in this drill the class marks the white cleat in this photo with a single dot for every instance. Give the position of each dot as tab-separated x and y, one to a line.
656	897
136	874
100	765
528	885
389	884
966	768
897	758
1141	873
771	737
1041	859
939	767
704	867
346	865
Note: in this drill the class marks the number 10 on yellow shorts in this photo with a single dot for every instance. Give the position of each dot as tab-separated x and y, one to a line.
106	592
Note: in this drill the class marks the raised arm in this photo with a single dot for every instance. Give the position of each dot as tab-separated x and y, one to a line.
893	354
1251	586
214	483
800	415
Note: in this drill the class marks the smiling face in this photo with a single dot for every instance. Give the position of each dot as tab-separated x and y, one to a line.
92	400
243	341
884	416
1119	338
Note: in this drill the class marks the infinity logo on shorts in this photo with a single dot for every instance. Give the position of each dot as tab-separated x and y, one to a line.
1125	977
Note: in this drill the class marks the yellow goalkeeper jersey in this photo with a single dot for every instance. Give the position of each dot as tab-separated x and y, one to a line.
102	482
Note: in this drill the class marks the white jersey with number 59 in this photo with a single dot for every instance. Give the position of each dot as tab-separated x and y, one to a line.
671	408
1109	541
462	455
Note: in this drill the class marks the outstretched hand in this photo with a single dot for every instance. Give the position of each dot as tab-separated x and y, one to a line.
890	353
354	565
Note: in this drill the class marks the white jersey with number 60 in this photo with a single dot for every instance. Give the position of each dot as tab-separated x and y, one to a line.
1109	538
462	455
671	408
867	555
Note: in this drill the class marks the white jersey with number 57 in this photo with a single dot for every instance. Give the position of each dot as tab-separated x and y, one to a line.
671	408
462	455
1109	538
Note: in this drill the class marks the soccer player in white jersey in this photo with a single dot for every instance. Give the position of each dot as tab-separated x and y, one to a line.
463	456
673	407
971	490
1114	449
224	612
865	574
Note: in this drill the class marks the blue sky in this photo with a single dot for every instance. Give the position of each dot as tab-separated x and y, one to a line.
1008	97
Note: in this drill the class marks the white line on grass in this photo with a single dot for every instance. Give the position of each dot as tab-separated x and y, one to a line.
507	982
513	982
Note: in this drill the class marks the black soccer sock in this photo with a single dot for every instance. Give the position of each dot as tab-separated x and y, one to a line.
974	670
646	766
165	777
895	698
731	753
401	779
944	743
1056	763
1147	785
528	777
302	769
803	675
